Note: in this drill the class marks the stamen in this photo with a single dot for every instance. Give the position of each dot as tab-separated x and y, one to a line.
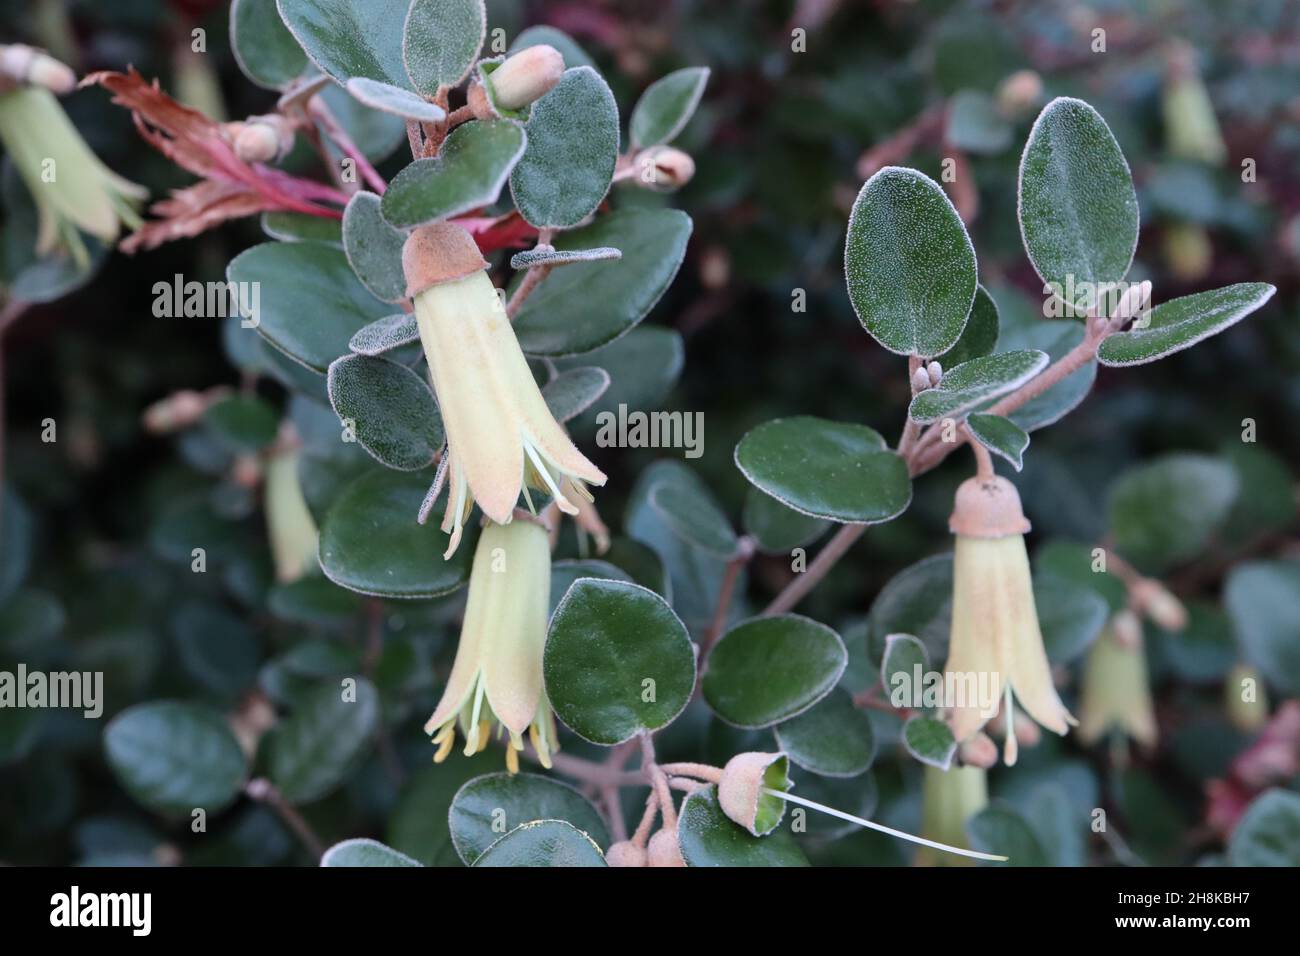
564	503
445	740
539	744
512	761
1010	747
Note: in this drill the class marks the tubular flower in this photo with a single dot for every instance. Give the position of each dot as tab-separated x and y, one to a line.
1116	692
994	620
290	526
72	189
948	799
501	437
497	675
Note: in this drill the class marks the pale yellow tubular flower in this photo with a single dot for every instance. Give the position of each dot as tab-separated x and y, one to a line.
290	525
1116	691
72	189
949	798
501	436
994	620
496	680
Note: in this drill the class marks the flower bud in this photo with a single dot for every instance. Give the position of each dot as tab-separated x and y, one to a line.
1160	605
664	850
175	412
935	371
979	751
626	853
290	525
262	139
741	790
921	380
21	64
1134	302
1019	93
526	76
664	168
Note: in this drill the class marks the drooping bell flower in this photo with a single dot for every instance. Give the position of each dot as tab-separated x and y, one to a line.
1116	691
289	524
496	680
995	628
71	188
501	436
948	799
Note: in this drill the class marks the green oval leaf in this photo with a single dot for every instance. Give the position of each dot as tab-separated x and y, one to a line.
1263	600
442	39
975	124
584	306
929	740
643	366
395	100
175	756
561	257
370	541
573	391
972	383
310	300
1268	833
543	843
1000	829
386	334
1180	323
1001	436
770	669
565	572
572	148
980	336
374	248
348	38
242	423
323	740
486	803
834	470
467	173
363	852
1165	511
777	528
1070	616
909	263
1078	208
708	837
608	639
264	48
833	738
296	226
392	411
903	655
694	517
667	106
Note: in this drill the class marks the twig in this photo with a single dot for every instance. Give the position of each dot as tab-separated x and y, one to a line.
744	552
614	811
532	279
264	791
833	550
319	111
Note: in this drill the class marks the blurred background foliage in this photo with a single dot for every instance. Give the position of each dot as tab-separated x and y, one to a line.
94	571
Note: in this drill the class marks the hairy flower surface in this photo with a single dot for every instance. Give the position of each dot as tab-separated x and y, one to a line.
72	189
994	620
501	436
497	676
